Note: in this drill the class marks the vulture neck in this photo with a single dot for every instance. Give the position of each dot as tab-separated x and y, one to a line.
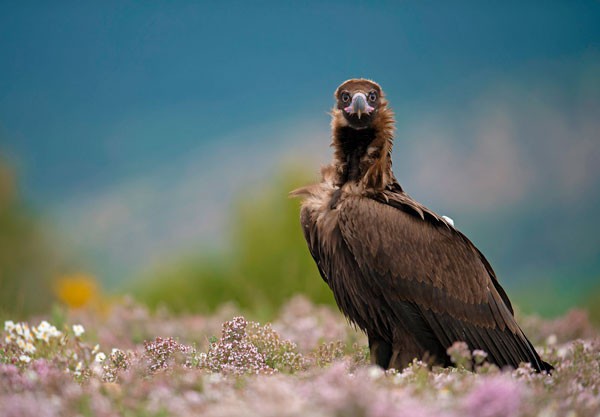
363	156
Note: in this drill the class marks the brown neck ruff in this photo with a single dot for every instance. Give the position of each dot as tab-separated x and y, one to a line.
363	156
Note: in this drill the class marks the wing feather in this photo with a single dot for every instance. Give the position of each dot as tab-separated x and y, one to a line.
409	255
310	234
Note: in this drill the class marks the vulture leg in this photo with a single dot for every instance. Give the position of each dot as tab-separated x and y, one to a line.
404	351
381	352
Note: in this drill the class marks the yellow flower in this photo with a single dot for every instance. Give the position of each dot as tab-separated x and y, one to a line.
77	290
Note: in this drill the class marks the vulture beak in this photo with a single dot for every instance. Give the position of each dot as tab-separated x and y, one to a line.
359	105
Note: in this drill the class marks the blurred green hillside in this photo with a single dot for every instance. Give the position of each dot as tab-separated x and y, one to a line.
267	263
28	259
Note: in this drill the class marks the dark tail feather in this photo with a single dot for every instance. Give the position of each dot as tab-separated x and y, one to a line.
547	367
539	364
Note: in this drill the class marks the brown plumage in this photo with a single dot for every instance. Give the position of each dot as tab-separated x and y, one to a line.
411	281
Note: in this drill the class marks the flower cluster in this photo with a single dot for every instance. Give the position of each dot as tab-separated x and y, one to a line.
308	325
23	339
118	361
460	355
280	354
160	353
45	331
78	330
235	353
255	369
20	336
329	352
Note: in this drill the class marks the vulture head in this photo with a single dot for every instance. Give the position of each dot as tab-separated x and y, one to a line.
363	131
360	103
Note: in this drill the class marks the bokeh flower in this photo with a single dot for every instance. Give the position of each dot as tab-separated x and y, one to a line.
26	347
78	369
496	396
77	290
45	331
253	370
9	326
78	330
20	336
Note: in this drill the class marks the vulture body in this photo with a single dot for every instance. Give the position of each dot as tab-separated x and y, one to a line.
404	275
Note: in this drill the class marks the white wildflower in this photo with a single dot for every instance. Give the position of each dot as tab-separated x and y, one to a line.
375	372
45	331
562	351
444	394
551	340
100	357
29	348
479	356
43	336
9	326
96	349
78	330
25	358
44	325
22	329
20	335
78	369
27	333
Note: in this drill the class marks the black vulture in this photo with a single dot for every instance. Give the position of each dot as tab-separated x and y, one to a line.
403	274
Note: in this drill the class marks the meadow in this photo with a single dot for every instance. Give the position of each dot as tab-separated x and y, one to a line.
191	342
152	264
125	360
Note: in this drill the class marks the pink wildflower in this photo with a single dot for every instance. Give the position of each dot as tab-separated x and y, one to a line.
497	396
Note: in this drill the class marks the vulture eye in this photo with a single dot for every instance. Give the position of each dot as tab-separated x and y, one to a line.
345	97
372	96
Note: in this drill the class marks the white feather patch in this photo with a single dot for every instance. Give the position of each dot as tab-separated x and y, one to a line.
448	220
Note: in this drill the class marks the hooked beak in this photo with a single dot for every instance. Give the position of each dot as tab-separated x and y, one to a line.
359	105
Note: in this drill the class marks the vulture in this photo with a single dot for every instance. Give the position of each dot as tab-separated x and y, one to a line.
400	272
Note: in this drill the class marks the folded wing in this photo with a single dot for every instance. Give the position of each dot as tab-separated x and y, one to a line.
425	270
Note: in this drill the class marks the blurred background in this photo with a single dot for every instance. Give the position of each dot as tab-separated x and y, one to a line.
147	148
